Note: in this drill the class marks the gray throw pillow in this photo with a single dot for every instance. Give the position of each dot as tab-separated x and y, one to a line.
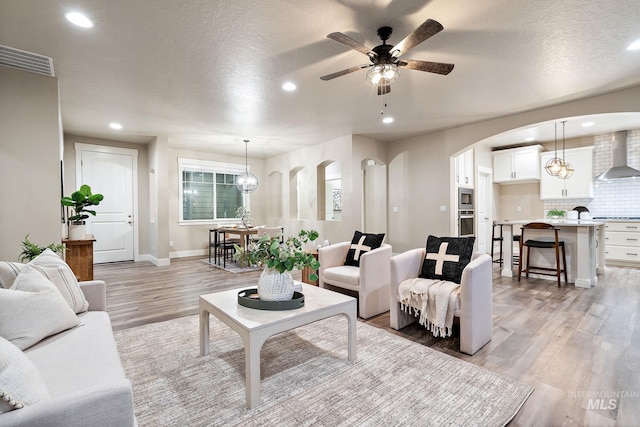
60	274
20	381
8	273
33	309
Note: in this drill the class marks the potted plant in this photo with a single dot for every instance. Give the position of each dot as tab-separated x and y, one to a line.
555	213
79	201
278	259
30	250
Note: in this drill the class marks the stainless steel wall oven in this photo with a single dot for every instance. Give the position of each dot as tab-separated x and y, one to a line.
466	220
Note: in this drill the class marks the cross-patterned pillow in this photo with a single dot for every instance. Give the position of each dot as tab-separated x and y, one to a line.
447	257
361	244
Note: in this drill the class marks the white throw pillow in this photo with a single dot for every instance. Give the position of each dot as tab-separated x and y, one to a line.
33	309
20	381
8	273
57	271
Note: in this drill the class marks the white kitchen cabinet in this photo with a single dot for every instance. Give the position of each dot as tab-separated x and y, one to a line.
464	169
578	186
622	243
516	165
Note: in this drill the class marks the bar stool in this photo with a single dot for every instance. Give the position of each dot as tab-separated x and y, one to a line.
495	239
500	239
542	244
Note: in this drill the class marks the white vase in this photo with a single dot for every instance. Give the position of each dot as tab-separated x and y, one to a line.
275	286
77	231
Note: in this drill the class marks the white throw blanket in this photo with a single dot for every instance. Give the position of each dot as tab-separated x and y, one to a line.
434	300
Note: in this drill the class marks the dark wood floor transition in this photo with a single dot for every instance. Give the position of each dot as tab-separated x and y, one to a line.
579	348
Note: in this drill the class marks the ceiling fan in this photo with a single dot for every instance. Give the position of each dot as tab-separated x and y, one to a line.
385	58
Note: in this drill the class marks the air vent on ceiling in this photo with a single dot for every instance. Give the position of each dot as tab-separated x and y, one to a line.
16	58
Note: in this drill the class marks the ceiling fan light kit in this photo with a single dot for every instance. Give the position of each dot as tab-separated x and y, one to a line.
385	58
383	74
247	182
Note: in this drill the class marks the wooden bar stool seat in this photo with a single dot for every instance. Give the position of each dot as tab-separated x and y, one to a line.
555	244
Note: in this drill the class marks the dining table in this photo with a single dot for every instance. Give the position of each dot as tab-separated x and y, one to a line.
244	234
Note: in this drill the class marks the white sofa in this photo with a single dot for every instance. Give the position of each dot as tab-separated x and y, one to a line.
82	371
370	280
475	312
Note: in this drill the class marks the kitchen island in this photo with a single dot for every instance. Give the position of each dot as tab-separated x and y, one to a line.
584	244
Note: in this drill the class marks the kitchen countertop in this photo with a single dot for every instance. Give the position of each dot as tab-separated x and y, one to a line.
563	222
617	218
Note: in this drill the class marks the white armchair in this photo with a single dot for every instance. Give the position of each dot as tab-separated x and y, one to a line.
476	284
370	280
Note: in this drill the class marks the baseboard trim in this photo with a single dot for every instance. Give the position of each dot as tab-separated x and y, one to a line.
185	254
162	262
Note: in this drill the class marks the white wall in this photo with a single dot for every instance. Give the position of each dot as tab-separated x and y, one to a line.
194	239
30	154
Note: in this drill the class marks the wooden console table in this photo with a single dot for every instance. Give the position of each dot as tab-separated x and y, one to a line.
79	256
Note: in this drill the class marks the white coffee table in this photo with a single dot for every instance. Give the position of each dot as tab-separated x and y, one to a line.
256	326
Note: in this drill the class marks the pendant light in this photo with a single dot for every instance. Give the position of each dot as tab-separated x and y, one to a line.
567	169
247	182
554	164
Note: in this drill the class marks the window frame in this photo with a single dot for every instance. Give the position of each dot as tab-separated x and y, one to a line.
207	166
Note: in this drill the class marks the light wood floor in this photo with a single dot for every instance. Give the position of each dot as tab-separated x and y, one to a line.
579	348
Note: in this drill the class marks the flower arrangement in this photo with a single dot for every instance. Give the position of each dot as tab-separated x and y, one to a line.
270	252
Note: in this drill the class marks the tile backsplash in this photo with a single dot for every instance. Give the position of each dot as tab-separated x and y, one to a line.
619	197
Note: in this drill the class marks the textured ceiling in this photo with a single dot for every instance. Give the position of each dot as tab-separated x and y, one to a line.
208	74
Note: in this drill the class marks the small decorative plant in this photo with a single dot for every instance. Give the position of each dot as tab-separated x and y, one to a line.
30	250
281	256
555	213
245	216
79	201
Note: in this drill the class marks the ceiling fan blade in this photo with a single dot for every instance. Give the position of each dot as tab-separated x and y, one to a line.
349	42
384	89
431	67
427	29
344	72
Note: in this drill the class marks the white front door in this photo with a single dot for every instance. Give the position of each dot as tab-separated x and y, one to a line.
112	172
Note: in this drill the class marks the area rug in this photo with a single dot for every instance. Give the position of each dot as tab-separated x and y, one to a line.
307	379
231	267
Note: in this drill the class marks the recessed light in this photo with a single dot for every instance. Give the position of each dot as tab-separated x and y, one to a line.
530	139
588	124
79	19
387	120
116	126
634	46
289	86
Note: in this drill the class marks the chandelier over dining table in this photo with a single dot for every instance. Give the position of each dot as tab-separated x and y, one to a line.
246	182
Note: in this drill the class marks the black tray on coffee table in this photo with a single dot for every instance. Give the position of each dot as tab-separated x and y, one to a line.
249	298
